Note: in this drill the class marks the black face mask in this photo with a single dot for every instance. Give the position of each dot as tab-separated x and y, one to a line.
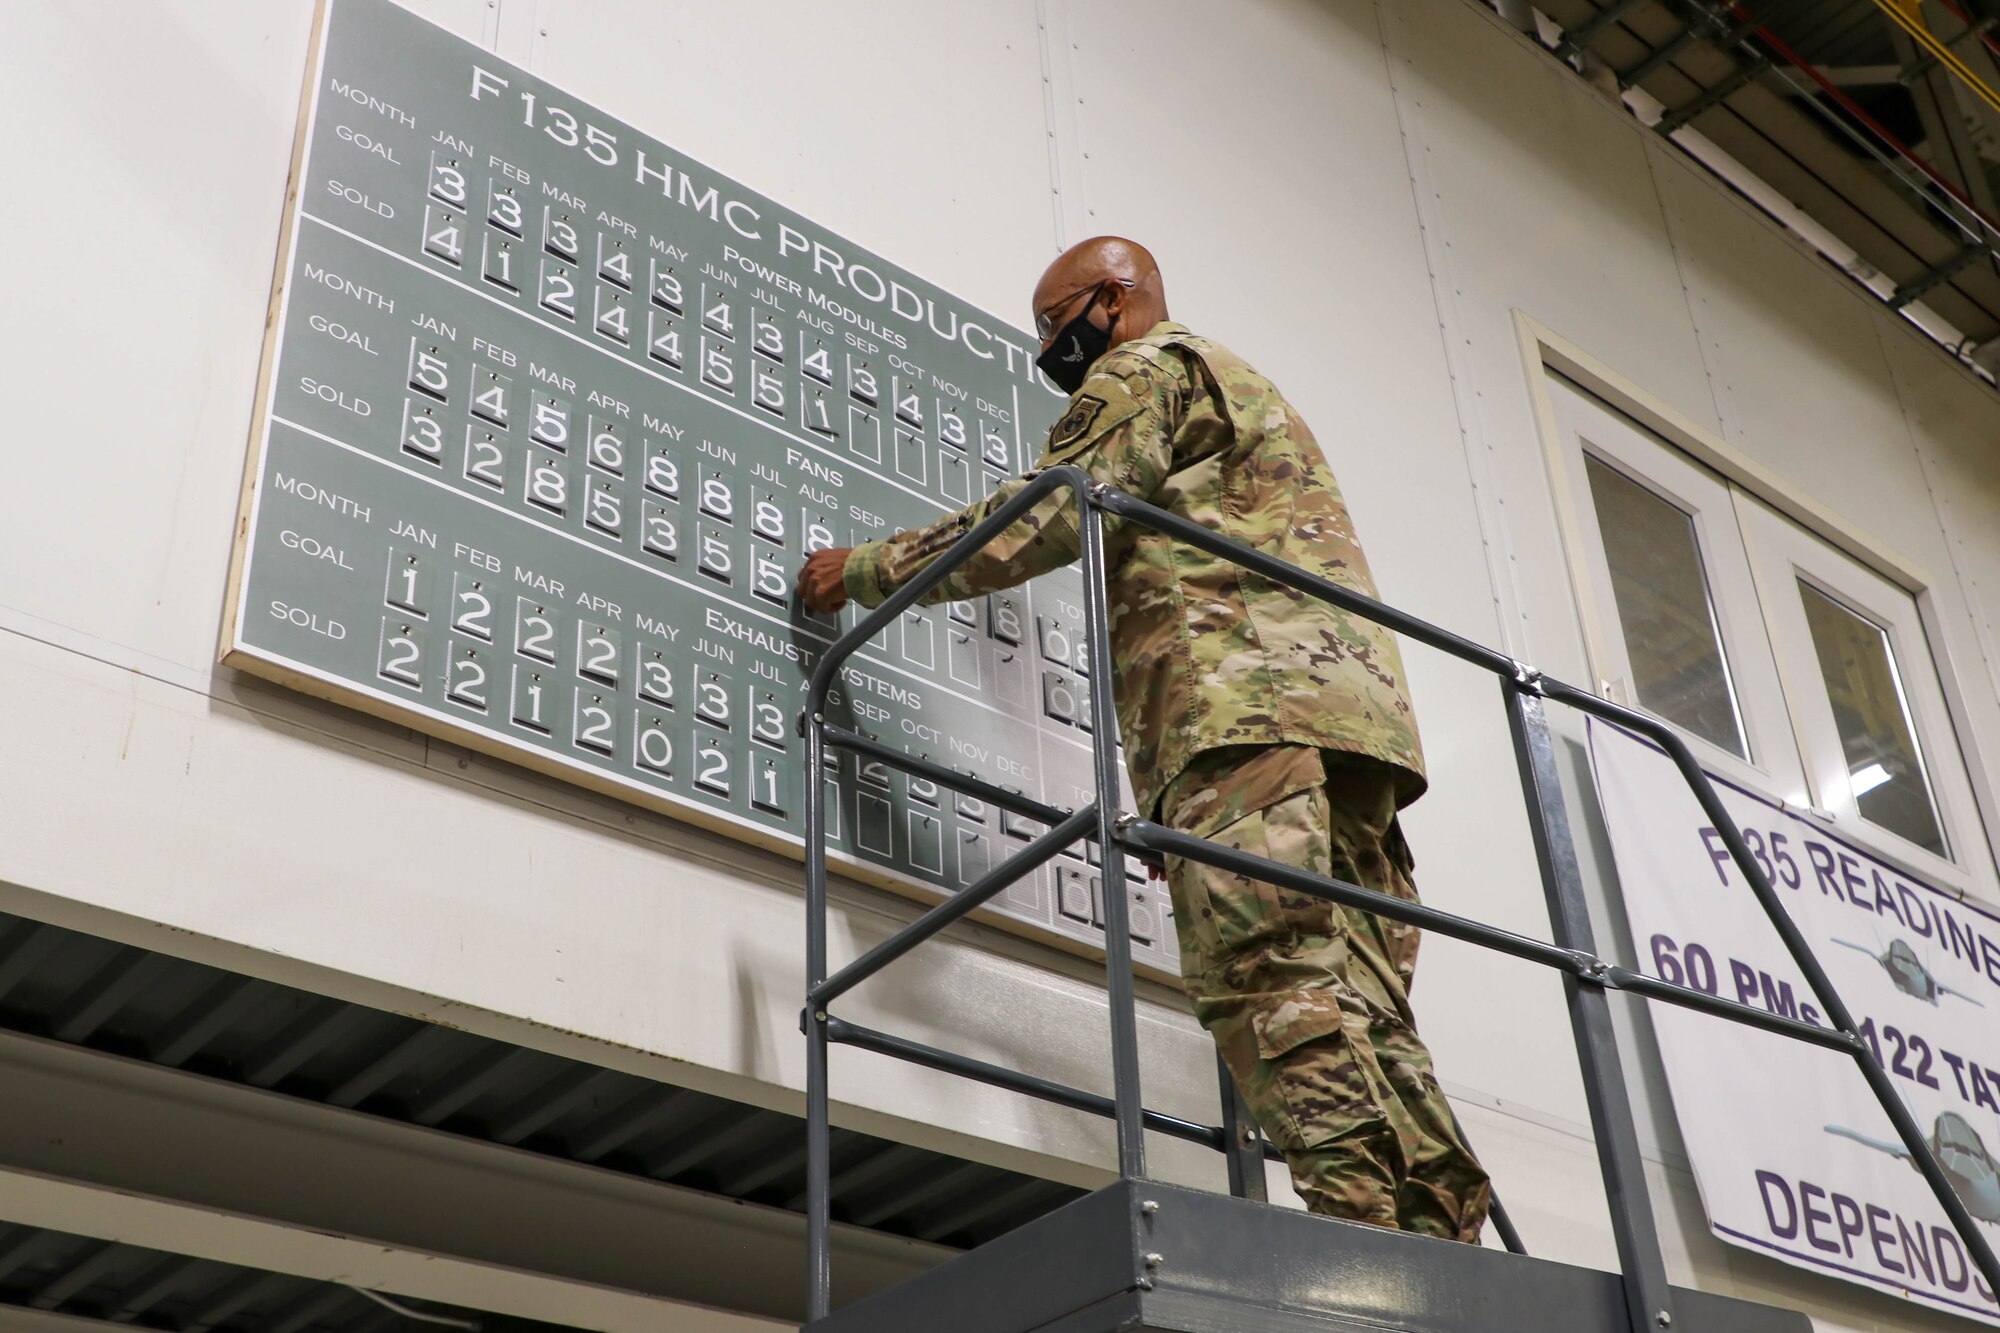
1075	351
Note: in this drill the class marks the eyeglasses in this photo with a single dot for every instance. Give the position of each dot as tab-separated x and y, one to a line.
1045	322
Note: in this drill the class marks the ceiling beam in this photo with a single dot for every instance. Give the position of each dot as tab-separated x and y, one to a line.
21	1319
1580	37
1862	76
1966	257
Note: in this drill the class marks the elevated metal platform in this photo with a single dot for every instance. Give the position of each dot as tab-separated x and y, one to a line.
1147	1258
1140	1256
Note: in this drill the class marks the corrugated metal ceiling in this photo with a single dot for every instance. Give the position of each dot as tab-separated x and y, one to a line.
83	1278
95	993
1845	115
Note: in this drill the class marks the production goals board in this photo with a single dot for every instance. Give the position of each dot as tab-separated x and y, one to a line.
550	416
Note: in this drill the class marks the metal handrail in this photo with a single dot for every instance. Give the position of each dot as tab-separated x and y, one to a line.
1586	976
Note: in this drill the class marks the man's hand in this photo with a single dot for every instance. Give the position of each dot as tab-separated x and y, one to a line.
822	581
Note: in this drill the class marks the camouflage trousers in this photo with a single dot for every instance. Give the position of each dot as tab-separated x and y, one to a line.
1308	1001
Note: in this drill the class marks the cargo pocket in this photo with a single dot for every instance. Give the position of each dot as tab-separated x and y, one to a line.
1313	1067
1222	914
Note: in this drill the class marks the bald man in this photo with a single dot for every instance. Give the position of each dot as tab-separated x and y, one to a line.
1250	715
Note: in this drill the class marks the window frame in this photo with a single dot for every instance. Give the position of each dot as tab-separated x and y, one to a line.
1972	831
1783	556
1590	425
1695	512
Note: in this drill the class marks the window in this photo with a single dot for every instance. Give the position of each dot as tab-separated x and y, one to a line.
1787	663
1885	771
1679	669
1876	735
1675	628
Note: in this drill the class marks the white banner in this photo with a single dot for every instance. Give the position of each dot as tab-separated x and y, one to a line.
1792	1153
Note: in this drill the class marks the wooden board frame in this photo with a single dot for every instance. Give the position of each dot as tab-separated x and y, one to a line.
334	690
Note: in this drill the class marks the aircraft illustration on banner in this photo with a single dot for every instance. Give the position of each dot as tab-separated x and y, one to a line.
1900	961
1973	1173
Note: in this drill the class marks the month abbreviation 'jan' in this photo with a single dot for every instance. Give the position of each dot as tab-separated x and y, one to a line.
402	527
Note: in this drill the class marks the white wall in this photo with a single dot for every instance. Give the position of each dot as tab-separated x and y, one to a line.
1356	196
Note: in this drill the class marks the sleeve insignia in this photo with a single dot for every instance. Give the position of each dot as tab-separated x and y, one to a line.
1076	422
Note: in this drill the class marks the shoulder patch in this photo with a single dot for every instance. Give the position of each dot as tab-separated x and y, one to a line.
1143	349
1076	422
1143	365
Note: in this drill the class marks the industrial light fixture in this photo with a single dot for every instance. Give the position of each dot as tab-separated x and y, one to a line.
1867	778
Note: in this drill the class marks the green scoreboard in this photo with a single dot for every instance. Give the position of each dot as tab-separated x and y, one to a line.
550	417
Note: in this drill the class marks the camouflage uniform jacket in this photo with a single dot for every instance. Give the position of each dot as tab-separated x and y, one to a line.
1206	655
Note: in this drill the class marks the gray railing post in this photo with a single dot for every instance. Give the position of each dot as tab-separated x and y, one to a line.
819	1125
1118	948
1648	1295
1117	897
819	1132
